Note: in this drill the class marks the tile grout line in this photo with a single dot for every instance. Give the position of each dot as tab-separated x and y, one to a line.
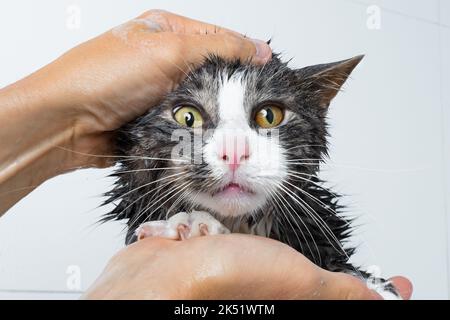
445	185
405	15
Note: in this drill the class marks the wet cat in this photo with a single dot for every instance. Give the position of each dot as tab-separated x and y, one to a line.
237	148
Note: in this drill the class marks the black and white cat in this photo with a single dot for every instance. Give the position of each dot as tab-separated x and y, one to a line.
237	148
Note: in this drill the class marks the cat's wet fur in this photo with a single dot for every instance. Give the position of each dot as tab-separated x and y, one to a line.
309	220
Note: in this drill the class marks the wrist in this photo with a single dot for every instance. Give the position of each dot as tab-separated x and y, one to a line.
34	133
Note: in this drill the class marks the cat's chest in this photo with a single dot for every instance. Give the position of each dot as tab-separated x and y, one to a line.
260	226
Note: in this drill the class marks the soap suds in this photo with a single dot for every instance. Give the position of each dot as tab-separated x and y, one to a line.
150	25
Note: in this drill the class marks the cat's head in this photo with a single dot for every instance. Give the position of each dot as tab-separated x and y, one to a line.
228	138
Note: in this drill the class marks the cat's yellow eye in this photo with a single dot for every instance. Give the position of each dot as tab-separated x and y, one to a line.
189	117
269	117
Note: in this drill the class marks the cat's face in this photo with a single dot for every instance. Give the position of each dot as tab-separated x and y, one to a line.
232	135
242	151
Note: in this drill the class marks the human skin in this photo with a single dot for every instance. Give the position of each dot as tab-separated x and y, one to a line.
66	110
235	266
61	118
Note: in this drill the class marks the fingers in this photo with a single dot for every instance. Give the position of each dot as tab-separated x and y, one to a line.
172	22
341	286
200	39
404	287
229	47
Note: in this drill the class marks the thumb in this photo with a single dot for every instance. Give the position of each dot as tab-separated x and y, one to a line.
403	286
204	38
341	286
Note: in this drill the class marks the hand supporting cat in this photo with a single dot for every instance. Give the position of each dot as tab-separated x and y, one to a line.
183	226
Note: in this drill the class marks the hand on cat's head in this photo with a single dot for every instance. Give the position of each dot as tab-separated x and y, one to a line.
117	76
235	266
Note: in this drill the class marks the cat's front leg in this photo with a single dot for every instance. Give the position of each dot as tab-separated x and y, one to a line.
182	226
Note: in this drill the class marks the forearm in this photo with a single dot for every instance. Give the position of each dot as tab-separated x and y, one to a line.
34	133
51	120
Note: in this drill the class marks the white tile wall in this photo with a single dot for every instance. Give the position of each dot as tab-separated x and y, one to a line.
445	97
391	127
390	145
444	9
427	10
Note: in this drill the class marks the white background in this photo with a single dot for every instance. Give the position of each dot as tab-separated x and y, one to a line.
390	132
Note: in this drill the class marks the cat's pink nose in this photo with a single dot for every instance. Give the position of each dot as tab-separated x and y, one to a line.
233	157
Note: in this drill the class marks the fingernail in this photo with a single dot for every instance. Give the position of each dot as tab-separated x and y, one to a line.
263	50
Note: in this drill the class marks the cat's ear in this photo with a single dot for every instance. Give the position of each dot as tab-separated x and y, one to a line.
325	80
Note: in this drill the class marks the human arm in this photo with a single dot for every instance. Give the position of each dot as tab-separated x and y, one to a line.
61	117
232	266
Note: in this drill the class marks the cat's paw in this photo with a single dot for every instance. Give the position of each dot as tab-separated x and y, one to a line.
182	226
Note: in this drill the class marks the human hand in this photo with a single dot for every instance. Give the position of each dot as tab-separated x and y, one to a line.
61	117
112	79
233	266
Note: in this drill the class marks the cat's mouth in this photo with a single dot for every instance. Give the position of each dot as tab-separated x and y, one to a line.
231	198
233	189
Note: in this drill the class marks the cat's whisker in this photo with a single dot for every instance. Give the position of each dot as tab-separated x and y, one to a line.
193	199
212	181
152	182
275	74
145	170
179	160
262	69
303	174
150	191
300	202
177	201
298	176
279	186
316	217
286	218
119	157
166	183
184	186
305	146
188	76
313	164
319	202
284	202
332	211
156	194
344	166
151	203
300	160
310	211
311	215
